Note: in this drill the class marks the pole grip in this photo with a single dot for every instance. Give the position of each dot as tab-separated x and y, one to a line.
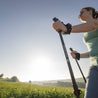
71	49
55	19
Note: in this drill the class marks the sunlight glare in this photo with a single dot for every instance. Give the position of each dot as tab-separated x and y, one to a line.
42	66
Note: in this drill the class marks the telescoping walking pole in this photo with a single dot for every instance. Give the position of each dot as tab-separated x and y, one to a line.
77	92
79	68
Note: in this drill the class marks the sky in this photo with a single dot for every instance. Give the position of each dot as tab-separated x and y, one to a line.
30	48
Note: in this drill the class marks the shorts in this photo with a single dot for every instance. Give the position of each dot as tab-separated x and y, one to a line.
91	90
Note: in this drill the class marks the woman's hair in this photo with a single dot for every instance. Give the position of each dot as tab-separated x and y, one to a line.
94	12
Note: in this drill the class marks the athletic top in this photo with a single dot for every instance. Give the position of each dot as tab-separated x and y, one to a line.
91	40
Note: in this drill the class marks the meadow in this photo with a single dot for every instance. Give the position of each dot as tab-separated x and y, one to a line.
25	90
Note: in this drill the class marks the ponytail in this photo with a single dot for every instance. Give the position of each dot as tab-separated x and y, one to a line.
96	15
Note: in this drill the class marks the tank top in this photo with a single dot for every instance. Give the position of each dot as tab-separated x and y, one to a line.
91	40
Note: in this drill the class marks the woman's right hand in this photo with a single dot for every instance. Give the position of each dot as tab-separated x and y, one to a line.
59	26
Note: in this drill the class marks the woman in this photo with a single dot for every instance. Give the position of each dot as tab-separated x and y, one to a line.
89	16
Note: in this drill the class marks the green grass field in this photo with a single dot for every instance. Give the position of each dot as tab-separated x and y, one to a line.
24	90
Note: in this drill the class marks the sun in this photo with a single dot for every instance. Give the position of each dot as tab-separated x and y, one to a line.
42	67
42	60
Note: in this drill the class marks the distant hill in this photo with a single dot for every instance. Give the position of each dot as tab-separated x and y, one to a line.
61	83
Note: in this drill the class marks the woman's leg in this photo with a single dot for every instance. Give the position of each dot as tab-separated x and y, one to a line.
92	83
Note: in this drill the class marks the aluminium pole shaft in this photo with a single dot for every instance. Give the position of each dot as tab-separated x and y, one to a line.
79	68
69	65
77	92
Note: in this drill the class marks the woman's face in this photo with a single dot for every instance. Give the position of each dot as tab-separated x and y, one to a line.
84	15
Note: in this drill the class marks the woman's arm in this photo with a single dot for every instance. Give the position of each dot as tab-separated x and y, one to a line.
84	55
84	27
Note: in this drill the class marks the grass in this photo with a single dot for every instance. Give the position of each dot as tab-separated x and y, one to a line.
24	90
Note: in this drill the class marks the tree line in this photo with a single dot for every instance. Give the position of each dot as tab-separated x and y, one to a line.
12	79
65	84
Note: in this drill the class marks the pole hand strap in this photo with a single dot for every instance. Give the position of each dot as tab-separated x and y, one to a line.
77	56
69	28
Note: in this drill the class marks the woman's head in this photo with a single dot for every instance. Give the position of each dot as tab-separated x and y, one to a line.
87	13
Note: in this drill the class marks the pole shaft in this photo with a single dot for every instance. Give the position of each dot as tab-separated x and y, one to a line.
80	70
76	90
68	62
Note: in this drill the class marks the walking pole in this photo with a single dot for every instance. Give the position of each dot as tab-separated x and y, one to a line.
77	92
79	68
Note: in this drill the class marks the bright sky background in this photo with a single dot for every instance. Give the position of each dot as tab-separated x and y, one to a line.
30	48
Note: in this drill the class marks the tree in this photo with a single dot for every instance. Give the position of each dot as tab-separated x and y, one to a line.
1	75
14	79
30	81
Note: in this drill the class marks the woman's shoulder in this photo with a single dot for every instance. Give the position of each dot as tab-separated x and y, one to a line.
91	35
